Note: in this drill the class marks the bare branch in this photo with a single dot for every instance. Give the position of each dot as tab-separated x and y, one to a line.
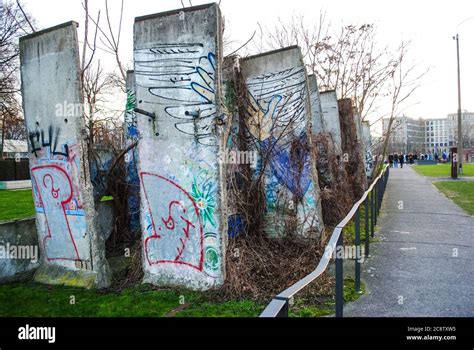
25	16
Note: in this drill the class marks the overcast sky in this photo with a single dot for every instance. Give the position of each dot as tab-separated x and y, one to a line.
429	24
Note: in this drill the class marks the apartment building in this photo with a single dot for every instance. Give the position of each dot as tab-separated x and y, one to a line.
407	135
432	136
467	126
437	134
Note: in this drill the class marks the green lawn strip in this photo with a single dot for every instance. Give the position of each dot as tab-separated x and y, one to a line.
34	300
461	193
242	308
442	170
16	204
350	293
349	230
304	308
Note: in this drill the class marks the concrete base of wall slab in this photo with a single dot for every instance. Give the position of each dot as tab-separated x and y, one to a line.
16	239
58	275
172	281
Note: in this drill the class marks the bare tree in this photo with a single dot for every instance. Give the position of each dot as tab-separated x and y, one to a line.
109	38
99	85
403	83
104	120
349	60
346	59
14	22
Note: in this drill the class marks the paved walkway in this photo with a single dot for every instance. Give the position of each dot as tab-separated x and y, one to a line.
424	263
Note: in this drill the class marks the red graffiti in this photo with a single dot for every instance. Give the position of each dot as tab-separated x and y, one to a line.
175	231
55	191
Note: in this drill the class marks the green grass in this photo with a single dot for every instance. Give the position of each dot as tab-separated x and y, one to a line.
460	192
442	170
243	308
349	229
16	204
303	308
35	300
350	293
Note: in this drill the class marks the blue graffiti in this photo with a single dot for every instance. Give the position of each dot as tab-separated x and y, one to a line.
236	225
292	170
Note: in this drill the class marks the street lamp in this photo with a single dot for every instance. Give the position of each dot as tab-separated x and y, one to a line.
460	139
460	154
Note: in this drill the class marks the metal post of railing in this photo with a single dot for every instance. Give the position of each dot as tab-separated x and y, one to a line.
367	233
339	276
285	309
380	193
374	194
358	250
384	184
372	214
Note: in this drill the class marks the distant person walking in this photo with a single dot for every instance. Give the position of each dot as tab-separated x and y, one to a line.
390	160
395	160
445	157
402	160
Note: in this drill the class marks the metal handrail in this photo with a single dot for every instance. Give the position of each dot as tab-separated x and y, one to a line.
372	200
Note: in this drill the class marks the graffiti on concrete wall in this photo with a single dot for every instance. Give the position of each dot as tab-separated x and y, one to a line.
175	223
58	202
278	121
131	117
131	158
54	188
182	77
42	139
66	222
367	142
368	163
178	160
181	225
277	110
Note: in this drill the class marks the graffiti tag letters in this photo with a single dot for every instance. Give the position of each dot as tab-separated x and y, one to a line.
50	141
55	191
176	230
